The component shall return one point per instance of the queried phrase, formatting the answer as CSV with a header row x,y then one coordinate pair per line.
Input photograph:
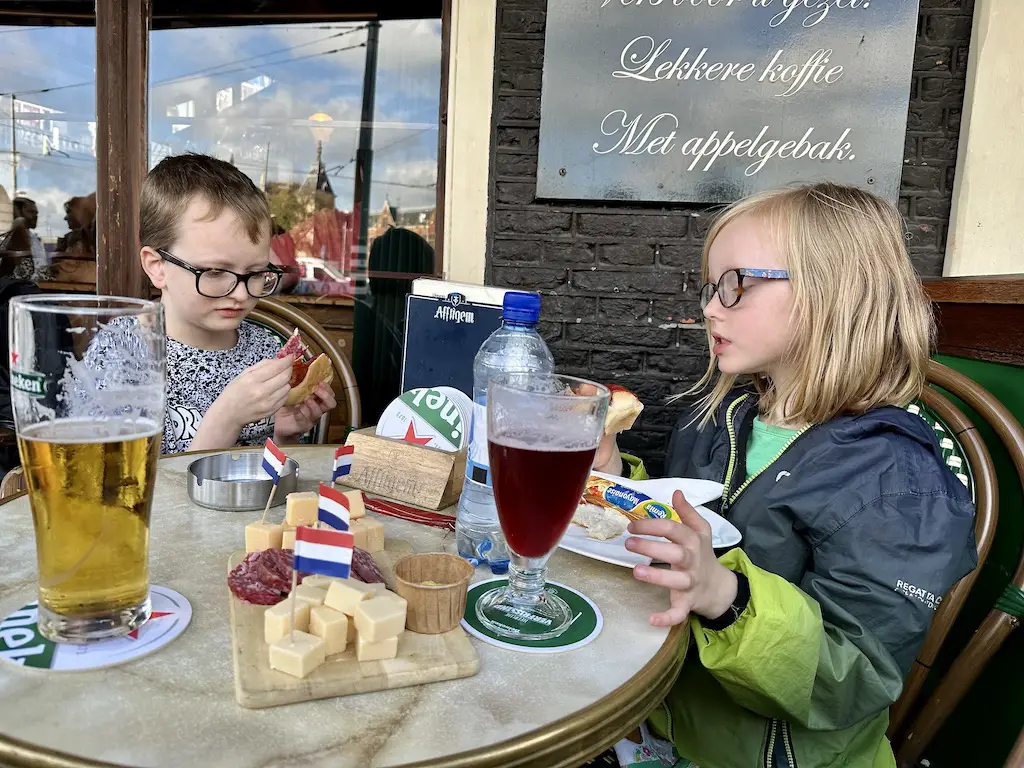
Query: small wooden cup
x,y
433,609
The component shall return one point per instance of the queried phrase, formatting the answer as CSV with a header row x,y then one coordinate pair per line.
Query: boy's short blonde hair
x,y
176,181
863,326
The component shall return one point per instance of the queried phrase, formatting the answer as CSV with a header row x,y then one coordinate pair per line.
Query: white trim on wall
x,y
470,97
988,202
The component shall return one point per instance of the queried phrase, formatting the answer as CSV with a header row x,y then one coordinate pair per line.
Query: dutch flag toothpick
x,y
318,550
342,462
273,461
333,508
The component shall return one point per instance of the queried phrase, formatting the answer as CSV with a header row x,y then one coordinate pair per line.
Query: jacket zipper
x,y
769,746
728,499
727,480
787,741
753,477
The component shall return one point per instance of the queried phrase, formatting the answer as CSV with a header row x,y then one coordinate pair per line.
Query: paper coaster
x,y
21,643
586,624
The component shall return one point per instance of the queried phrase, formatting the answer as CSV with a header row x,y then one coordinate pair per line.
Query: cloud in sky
x,y
406,109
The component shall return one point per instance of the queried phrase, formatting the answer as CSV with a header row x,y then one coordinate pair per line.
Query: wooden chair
x,y
911,742
13,483
281,319
1016,758
966,454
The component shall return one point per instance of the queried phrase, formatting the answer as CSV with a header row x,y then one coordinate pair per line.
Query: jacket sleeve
x,y
834,650
633,468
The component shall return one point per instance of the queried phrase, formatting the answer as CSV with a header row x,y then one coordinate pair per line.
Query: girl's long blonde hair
x,y
863,327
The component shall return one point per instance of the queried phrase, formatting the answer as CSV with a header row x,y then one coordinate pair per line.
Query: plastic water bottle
x,y
514,347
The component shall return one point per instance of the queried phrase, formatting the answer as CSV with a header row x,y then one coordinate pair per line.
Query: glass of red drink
x,y
543,431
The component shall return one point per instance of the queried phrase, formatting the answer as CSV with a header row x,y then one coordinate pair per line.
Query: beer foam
x,y
535,441
81,431
121,376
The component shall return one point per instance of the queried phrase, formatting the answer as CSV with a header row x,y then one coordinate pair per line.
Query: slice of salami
x,y
365,567
269,577
263,578
252,591
293,346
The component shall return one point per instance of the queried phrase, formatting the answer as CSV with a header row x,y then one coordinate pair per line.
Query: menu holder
x,y
425,477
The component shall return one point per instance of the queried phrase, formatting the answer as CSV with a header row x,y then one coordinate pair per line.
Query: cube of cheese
x,y
356,505
317,580
277,619
288,537
307,593
368,533
380,619
297,654
331,626
301,508
345,594
263,535
387,594
369,651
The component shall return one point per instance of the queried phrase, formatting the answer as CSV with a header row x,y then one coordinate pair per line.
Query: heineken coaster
x,y
585,626
21,643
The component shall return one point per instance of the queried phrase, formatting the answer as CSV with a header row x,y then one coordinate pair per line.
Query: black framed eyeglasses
x,y
217,283
730,285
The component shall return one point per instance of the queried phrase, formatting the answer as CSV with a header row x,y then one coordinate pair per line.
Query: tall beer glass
x,y
88,388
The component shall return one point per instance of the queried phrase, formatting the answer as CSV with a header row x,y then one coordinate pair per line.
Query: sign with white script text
x,y
712,100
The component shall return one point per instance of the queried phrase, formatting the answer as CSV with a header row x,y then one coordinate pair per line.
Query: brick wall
x,y
620,281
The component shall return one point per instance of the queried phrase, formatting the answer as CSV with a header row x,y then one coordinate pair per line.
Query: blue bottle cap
x,y
521,307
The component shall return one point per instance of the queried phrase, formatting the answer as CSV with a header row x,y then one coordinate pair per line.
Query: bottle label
x,y
478,463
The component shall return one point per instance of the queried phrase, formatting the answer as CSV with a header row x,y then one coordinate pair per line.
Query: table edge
x,y
564,742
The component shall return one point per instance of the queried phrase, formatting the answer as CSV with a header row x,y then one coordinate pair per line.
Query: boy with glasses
x,y
205,236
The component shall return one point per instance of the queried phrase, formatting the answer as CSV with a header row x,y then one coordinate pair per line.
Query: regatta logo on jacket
x,y
917,593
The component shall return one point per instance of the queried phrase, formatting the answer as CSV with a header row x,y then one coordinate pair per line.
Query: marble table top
x,y
177,706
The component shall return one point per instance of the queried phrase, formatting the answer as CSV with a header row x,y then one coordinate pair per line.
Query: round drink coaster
x,y
21,643
584,627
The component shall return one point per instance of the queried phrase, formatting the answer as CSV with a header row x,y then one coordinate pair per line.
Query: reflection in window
x,y
48,152
284,103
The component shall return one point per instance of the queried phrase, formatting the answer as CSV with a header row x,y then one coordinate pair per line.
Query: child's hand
x,y
697,582
256,392
299,419
608,459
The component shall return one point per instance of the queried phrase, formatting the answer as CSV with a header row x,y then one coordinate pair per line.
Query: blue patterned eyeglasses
x,y
730,285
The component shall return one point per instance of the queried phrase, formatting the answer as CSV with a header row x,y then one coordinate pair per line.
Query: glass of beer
x,y
543,431
88,380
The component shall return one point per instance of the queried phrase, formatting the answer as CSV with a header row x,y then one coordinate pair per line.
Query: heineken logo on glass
x,y
32,384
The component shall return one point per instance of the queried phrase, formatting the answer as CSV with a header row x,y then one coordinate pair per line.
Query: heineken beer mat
x,y
21,643
585,626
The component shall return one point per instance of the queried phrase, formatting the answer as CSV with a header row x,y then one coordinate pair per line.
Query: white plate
x,y
723,534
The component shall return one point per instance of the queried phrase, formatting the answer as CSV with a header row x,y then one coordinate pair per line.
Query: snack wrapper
x,y
630,502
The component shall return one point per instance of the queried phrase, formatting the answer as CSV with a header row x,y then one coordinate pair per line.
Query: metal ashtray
x,y
237,482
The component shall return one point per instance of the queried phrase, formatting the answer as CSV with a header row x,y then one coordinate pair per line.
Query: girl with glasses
x,y
853,528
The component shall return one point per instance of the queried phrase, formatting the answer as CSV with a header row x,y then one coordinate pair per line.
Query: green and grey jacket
x,y
850,538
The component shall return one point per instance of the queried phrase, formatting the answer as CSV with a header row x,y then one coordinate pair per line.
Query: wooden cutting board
x,y
421,658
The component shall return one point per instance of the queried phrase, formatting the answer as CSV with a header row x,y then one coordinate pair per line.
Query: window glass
x,y
284,103
48,153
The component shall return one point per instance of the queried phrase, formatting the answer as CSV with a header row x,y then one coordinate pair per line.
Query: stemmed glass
x,y
543,431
